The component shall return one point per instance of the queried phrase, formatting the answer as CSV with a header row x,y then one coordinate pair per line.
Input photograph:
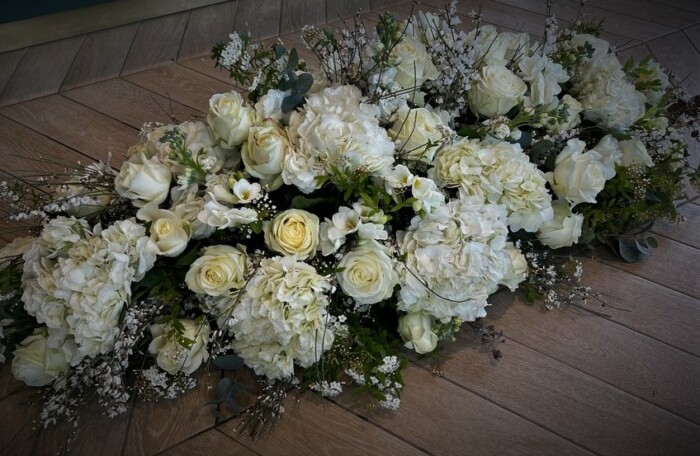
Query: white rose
x,y
412,132
635,153
143,180
169,231
37,364
367,274
416,330
229,118
563,230
518,267
293,232
496,92
578,177
220,269
415,65
172,356
264,154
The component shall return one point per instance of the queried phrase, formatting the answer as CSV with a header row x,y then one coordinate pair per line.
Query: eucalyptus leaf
x,y
540,149
526,139
304,83
652,242
468,132
303,202
629,250
293,61
228,362
223,389
643,247
291,101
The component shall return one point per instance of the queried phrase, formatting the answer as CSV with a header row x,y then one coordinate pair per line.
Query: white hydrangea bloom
x,y
282,318
455,258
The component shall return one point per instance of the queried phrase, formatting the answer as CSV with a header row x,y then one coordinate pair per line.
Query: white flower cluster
x,y
282,318
455,258
77,282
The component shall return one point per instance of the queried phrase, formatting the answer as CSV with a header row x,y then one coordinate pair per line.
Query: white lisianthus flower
x,y
563,230
610,155
367,274
634,152
418,134
578,177
143,180
416,330
269,106
246,192
220,269
217,215
415,66
496,92
264,154
281,318
169,232
293,232
171,355
543,77
230,118
36,363
518,267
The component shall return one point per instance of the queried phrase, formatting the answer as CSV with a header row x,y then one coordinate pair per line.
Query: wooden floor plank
x,y
562,399
688,231
130,103
693,34
181,84
315,427
156,426
623,358
17,436
73,125
664,265
676,52
644,306
660,14
205,65
459,420
209,442
682,4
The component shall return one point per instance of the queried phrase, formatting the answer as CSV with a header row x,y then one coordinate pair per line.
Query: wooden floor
x,y
570,381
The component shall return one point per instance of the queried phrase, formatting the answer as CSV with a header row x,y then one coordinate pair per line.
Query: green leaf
x,y
526,139
304,83
291,101
468,132
303,202
629,250
279,51
228,362
652,242
541,149
293,61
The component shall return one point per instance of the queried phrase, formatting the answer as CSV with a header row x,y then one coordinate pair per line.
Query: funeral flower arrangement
x,y
342,210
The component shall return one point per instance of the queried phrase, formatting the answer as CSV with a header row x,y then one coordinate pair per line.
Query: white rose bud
x,y
172,356
563,230
143,180
293,232
367,274
578,177
418,134
416,330
220,269
169,231
264,154
229,118
496,92
37,364
415,64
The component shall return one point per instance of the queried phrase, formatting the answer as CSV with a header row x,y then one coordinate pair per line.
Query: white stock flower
x,y
367,274
293,232
563,230
220,269
230,118
578,177
427,195
36,363
496,91
171,355
416,330
169,231
217,215
143,180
